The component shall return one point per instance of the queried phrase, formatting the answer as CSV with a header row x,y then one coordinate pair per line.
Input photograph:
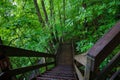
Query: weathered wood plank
x,y
115,75
79,74
81,58
105,45
6,75
88,74
109,67
18,52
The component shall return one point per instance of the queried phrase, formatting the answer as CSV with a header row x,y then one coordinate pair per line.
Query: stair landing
x,y
66,55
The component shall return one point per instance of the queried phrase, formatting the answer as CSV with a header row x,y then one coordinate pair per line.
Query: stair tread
x,y
57,77
59,74
46,78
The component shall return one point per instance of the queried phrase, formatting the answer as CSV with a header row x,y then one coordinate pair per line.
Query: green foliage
x,y
84,45
107,60
85,22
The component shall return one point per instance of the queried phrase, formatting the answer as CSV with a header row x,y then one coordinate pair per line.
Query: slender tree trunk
x,y
60,18
85,19
51,8
39,13
52,16
45,12
63,20
52,12
64,12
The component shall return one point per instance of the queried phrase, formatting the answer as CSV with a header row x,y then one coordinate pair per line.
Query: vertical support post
x,y
0,41
89,68
4,62
55,61
45,63
0,54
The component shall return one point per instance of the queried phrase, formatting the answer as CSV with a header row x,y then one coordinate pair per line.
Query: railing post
x,y
4,62
46,65
0,53
90,69
0,41
87,69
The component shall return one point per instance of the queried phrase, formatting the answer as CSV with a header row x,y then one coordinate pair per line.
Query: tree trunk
x,y
60,18
39,13
52,16
64,12
51,8
45,12
52,12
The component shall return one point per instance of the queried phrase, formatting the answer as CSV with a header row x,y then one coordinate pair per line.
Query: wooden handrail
x,y
98,53
18,52
105,45
8,74
109,67
115,75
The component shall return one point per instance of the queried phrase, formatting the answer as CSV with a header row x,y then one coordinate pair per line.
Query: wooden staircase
x,y
60,72
67,66
64,69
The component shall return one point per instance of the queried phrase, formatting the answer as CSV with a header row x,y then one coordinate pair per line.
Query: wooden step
x,y
43,78
60,72
58,77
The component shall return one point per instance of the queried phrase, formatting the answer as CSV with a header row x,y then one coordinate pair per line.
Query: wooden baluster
x,y
46,65
4,61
